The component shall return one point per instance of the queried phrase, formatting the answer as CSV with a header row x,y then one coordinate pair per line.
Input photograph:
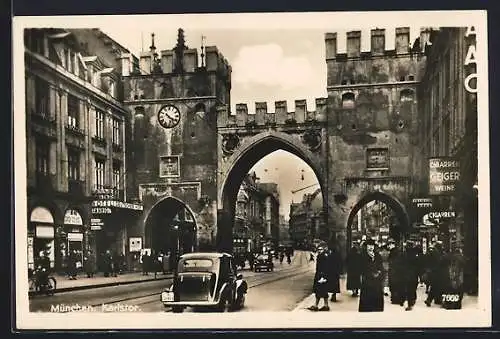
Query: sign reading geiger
x,y
444,173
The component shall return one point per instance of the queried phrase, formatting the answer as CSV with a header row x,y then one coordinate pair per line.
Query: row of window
x,y
42,102
401,78
36,42
74,162
349,99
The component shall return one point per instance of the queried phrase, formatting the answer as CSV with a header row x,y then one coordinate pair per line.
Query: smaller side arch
x,y
397,206
155,223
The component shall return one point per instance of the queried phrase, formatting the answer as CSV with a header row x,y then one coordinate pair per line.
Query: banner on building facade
x,y
117,204
444,174
170,166
420,207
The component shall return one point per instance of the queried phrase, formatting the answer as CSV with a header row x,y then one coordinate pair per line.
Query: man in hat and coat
x,y
354,270
334,271
320,284
372,280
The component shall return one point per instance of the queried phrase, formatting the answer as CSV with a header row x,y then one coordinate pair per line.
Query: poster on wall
x,y
170,166
135,244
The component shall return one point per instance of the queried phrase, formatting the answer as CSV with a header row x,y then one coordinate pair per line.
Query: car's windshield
x,y
263,257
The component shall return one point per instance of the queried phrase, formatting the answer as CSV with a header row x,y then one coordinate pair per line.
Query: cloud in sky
x,y
267,65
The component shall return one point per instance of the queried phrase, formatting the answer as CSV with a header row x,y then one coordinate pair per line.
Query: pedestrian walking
x,y
410,276
453,289
354,270
116,263
320,284
395,273
89,264
437,276
372,276
145,263
72,265
107,263
334,271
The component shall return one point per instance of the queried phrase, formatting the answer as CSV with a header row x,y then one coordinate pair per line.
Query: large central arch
x,y
238,164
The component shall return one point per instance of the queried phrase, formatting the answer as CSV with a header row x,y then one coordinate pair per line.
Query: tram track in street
x,y
258,280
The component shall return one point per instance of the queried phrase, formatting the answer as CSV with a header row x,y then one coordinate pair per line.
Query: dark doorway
x,y
171,227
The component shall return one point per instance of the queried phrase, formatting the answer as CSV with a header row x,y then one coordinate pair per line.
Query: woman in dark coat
x,y
89,264
354,271
396,275
372,280
334,270
320,284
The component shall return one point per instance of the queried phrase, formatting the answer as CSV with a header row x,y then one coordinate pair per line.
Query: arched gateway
x,y
186,144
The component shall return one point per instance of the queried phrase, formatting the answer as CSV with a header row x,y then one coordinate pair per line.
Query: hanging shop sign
x,y
470,62
104,194
101,210
170,166
46,232
75,236
116,204
442,215
444,174
135,244
96,221
424,203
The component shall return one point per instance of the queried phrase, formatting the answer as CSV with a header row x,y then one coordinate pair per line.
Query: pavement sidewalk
x,y
350,304
64,284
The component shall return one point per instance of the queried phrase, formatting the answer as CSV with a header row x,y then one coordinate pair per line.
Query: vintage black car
x,y
263,262
205,280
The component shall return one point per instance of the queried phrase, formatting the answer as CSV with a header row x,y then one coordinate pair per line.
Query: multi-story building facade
x,y
257,211
448,128
271,207
75,132
307,221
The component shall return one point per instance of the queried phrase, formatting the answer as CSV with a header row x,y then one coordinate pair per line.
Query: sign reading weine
x,y
444,174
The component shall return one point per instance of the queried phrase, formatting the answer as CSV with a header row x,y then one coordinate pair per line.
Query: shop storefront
x,y
110,223
72,237
40,236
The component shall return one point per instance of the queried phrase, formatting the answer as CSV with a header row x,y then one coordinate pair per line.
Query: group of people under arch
x,y
393,271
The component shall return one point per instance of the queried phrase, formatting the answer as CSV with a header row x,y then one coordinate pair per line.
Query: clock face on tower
x,y
169,116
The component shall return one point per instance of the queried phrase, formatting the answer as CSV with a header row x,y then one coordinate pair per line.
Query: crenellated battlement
x,y
179,59
264,117
373,42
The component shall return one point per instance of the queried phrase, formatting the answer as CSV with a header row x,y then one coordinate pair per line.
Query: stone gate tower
x,y
172,98
372,122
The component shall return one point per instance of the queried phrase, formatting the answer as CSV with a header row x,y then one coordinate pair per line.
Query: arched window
x,y
406,95
348,100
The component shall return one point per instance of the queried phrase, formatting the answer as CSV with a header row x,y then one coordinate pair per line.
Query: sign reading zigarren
x,y
444,174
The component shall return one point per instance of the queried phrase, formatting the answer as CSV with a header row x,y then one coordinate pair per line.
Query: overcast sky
x,y
267,65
